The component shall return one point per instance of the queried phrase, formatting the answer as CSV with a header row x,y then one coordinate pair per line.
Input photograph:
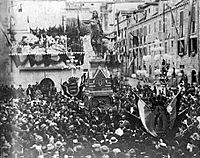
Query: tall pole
x,y
198,42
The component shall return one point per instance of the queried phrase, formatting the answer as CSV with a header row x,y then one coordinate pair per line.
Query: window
x,y
192,46
172,20
20,9
157,9
149,10
193,20
149,29
145,33
166,47
145,14
172,43
181,23
154,26
149,50
181,18
181,48
160,25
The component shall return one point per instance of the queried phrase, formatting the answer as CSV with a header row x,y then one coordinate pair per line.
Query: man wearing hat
x,y
29,92
104,150
96,150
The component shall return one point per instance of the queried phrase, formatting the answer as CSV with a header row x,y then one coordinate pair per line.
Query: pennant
x,y
173,108
16,60
147,117
38,57
55,57
31,59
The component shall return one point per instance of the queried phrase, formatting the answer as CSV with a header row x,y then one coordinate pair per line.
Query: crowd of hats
x,y
64,127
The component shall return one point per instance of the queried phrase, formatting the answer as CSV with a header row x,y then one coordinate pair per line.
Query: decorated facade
x,y
165,30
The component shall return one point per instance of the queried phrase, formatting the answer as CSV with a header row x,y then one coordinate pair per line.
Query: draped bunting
x,y
46,59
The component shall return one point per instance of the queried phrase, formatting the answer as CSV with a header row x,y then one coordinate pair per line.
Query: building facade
x,y
4,44
165,31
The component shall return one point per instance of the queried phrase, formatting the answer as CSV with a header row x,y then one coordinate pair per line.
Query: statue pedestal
x,y
95,63
98,91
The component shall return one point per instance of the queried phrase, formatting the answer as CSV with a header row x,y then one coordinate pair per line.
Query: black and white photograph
x,y
99,79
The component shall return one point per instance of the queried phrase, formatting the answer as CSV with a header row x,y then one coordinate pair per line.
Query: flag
x,y
189,25
174,24
5,34
78,25
147,117
173,108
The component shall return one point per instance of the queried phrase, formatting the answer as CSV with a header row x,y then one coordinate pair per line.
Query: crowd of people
x,y
35,91
36,126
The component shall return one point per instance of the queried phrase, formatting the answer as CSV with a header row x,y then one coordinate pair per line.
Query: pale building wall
x,y
4,50
31,77
190,63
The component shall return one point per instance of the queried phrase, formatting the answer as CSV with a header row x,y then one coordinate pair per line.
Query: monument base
x,y
98,89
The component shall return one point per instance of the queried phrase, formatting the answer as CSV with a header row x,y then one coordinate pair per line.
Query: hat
x,y
96,147
116,150
104,149
78,148
113,140
131,151
70,151
58,144
119,132
39,138
50,147
75,141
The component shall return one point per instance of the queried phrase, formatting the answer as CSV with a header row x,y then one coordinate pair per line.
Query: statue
x,y
96,34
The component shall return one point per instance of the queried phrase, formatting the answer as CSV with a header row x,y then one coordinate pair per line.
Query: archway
x,y
46,85
193,76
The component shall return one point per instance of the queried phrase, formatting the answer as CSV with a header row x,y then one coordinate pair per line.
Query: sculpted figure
x,y
96,34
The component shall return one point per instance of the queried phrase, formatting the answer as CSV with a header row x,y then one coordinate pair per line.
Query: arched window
x,y
193,76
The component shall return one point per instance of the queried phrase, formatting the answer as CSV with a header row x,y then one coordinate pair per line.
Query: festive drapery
x,y
46,59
